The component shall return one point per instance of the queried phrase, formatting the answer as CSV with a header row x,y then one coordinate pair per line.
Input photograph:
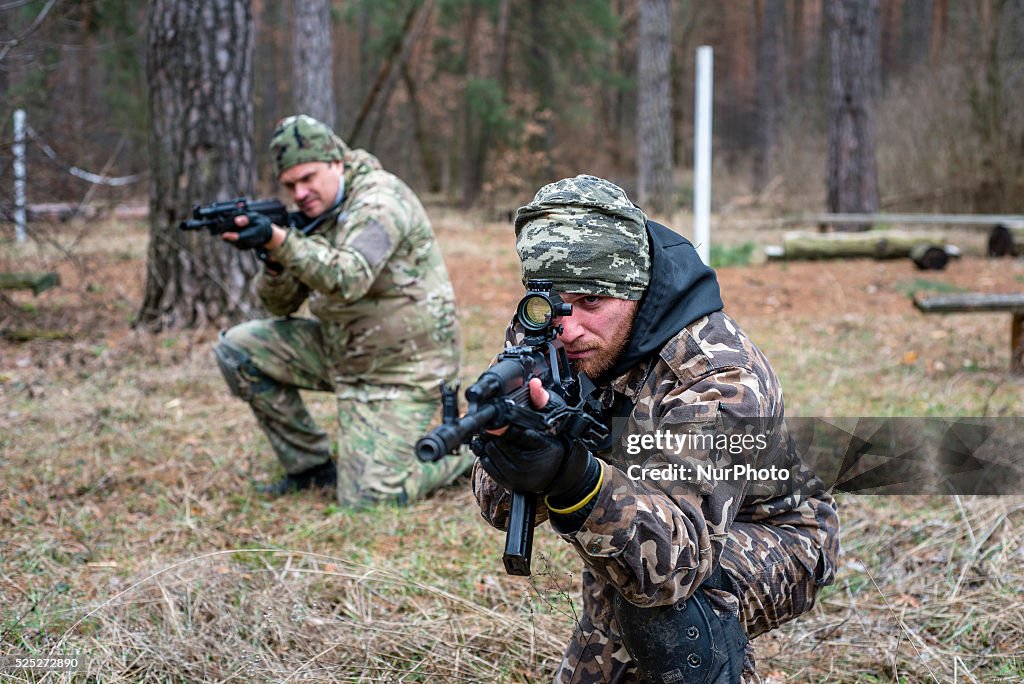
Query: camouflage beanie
x,y
585,236
300,139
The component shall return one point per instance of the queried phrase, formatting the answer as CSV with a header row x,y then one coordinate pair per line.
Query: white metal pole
x,y
702,154
19,174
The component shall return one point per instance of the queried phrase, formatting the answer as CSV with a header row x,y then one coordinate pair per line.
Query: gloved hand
x,y
528,461
256,234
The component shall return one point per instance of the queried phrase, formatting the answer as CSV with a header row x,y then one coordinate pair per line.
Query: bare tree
x,y
312,61
379,95
771,87
199,67
853,50
654,112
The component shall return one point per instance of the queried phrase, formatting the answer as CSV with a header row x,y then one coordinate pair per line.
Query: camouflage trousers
x,y
775,579
266,362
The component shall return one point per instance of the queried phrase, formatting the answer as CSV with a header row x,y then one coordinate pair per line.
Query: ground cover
x,y
129,533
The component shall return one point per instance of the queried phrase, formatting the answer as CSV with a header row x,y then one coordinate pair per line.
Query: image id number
x,y
40,663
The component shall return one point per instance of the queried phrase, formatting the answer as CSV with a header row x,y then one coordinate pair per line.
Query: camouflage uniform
x,y
385,334
655,542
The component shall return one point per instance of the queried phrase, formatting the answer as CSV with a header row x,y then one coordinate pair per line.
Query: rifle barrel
x,y
445,439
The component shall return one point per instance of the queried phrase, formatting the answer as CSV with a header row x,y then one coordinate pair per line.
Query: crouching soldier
x,y
383,332
683,570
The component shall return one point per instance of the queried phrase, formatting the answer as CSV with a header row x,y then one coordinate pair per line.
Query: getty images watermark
x,y
666,442
768,456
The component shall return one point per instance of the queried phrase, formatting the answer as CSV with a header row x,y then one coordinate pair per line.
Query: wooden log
x,y
929,257
28,334
875,244
977,302
964,220
61,211
1006,239
37,282
971,302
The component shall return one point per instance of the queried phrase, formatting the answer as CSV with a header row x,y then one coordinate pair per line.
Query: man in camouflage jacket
x,y
383,331
682,571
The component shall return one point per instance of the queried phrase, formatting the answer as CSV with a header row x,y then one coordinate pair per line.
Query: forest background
x,y
130,532
490,98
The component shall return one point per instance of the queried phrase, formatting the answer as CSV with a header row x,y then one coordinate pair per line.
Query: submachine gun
x,y
501,397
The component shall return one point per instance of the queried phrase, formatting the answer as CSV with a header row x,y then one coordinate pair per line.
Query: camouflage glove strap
x,y
528,461
256,234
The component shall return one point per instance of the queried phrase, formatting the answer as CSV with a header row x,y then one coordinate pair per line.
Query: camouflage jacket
x,y
656,541
376,280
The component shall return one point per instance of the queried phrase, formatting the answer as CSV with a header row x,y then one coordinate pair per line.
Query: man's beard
x,y
597,364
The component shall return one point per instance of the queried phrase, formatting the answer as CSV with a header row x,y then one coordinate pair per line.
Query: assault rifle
x,y
501,397
219,217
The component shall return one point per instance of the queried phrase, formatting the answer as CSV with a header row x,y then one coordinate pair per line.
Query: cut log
x,y
874,244
971,302
29,334
37,282
1006,239
929,257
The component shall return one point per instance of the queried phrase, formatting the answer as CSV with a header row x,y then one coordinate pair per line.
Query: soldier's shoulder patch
x,y
372,241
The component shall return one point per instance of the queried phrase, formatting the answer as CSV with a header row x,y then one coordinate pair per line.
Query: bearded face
x,y
597,331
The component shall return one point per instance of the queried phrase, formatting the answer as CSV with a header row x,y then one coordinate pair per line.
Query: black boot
x,y
320,476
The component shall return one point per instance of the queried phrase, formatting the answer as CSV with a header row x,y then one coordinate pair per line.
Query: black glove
x,y
256,234
528,461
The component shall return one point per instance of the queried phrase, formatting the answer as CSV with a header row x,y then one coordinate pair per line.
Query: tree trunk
x,y
382,84
272,88
891,36
654,110
916,34
419,132
853,51
691,16
541,74
469,59
940,22
771,87
6,106
808,38
407,43
199,67
613,97
312,66
480,129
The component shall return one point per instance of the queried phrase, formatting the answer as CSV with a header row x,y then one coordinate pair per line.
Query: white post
x,y
702,155
19,174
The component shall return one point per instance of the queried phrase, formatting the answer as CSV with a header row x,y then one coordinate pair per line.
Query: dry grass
x,y
130,533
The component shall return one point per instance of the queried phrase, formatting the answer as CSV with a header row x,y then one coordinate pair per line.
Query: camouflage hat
x,y
585,236
300,139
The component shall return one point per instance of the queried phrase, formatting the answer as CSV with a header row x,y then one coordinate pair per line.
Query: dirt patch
x,y
90,313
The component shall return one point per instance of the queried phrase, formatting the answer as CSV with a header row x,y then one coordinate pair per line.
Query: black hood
x,y
682,290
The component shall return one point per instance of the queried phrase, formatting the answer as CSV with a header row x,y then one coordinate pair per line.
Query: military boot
x,y
319,476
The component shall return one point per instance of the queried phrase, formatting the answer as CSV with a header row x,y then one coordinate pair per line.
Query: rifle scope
x,y
540,307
